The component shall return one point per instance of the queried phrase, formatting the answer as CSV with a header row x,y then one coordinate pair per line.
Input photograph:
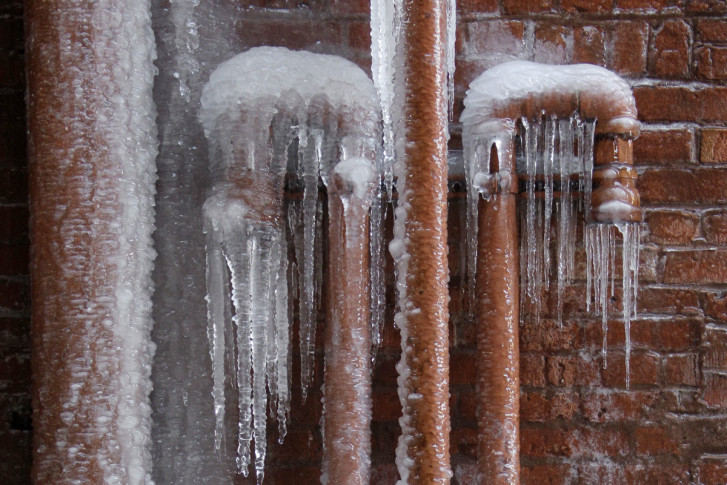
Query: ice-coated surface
x,y
510,82
92,416
260,108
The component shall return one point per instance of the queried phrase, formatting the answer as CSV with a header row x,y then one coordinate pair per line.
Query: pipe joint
x,y
615,197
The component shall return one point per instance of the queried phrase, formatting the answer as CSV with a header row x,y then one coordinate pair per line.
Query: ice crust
x,y
555,150
258,109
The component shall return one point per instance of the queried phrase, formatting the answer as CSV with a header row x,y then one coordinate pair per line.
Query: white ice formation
x,y
266,112
557,156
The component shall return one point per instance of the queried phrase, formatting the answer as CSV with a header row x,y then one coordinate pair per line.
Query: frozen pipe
x,y
419,248
495,100
497,307
92,147
253,108
347,409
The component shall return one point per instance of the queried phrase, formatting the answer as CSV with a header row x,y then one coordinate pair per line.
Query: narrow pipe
x,y
420,249
498,372
91,156
347,410
496,99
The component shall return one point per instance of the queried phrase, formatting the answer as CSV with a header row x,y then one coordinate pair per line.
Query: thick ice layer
x,y
514,82
259,109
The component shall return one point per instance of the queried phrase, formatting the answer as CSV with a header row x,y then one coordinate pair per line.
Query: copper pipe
x,y
347,410
498,372
615,197
420,230
91,259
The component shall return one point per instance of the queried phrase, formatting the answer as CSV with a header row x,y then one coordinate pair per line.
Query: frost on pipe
x,y
419,247
92,150
258,109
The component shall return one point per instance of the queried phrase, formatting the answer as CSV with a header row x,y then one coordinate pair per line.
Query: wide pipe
x,y
498,372
92,147
347,410
420,230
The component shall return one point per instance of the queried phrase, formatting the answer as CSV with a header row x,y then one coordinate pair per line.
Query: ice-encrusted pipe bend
x,y
495,103
259,109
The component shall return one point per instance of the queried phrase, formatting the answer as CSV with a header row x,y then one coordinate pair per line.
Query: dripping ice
x,y
268,112
551,153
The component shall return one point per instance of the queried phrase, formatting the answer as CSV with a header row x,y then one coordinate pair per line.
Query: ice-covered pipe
x,y
92,147
256,109
494,102
497,308
419,247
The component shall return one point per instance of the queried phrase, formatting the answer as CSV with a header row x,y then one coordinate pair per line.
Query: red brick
x,y
466,368
672,227
468,403
13,185
713,148
544,442
14,295
610,406
669,54
715,390
700,266
550,474
532,369
715,226
711,7
629,40
716,307
701,186
654,441
652,5
386,405
359,36
551,43
604,472
515,7
464,472
540,407
15,373
681,370
548,335
586,6
600,442
658,473
589,45
711,62
712,30
477,6
664,146
706,104
712,471
14,259
676,334
464,441
668,300
644,369
565,371
715,351
350,7
316,36
497,39
13,223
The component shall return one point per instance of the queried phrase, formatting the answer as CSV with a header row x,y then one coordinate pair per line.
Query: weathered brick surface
x,y
713,148
703,186
711,62
672,147
712,30
669,54
672,227
699,104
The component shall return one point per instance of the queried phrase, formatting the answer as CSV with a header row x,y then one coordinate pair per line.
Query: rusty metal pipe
x,y
420,249
347,410
498,373
91,157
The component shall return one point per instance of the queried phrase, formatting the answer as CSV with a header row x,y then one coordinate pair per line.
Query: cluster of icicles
x,y
555,157
315,116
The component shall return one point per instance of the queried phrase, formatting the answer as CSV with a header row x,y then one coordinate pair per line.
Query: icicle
x,y
308,163
451,41
385,25
565,155
377,285
548,166
282,344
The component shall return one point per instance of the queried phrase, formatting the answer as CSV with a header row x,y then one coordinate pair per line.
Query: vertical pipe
x,y
420,249
615,197
498,371
347,410
91,155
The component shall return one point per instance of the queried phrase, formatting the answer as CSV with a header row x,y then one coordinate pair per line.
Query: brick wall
x,y
579,422
14,291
